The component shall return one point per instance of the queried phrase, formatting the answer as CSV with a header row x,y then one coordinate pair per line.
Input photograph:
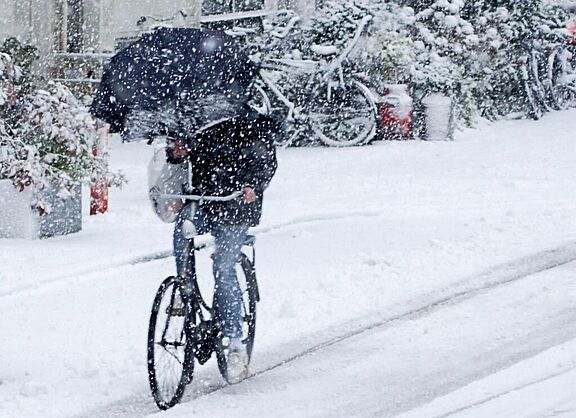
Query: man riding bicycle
x,y
235,153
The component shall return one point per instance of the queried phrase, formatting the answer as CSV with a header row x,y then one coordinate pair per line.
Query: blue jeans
x,y
229,240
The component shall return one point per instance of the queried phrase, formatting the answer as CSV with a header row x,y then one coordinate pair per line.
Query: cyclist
x,y
236,153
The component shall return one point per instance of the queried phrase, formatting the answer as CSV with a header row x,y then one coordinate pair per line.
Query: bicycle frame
x,y
192,296
331,75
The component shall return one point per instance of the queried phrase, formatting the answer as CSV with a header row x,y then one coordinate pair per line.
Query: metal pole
x,y
30,20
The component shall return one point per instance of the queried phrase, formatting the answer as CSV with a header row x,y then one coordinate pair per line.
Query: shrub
x,y
46,139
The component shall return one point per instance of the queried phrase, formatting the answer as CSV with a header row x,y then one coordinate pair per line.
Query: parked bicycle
x,y
335,105
547,79
185,328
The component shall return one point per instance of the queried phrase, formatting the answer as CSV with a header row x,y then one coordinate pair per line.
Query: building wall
x,y
119,16
27,19
8,25
44,24
38,21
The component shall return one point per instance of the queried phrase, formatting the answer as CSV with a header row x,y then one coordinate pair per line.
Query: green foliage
x,y
24,56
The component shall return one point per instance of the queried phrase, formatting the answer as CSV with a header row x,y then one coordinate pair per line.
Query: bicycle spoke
x,y
168,311
172,354
348,118
167,342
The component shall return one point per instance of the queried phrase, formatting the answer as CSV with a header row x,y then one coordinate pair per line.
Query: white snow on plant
x,y
325,50
51,144
403,105
451,21
403,46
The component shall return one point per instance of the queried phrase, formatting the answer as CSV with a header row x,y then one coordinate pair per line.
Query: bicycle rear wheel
x,y
170,358
343,116
247,281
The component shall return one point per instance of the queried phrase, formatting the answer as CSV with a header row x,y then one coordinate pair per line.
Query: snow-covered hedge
x,y
469,50
46,139
475,52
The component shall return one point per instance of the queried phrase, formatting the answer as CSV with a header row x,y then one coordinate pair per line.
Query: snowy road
x,y
413,360
405,272
376,365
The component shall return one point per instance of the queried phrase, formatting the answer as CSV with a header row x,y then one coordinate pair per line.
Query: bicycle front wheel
x,y
343,116
170,357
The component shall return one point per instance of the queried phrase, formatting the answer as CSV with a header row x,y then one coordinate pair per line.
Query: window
x,y
244,13
214,7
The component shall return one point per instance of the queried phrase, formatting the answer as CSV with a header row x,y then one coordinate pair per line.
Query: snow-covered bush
x,y
512,34
474,51
46,139
389,52
492,69
53,145
9,74
444,43
335,22
471,51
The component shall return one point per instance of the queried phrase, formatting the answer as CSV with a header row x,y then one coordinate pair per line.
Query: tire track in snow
x,y
260,230
160,255
500,275
501,394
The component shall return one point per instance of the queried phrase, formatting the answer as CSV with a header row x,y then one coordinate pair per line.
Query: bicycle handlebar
x,y
143,19
200,198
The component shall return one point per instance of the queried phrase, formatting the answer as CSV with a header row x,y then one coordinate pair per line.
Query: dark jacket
x,y
230,156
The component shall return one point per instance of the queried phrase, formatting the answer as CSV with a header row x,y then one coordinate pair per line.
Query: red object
x,y
98,198
392,123
99,189
572,30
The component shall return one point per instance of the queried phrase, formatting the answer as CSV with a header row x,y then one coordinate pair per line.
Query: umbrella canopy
x,y
178,78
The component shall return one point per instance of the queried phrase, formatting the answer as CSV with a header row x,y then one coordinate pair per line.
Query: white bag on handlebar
x,y
165,178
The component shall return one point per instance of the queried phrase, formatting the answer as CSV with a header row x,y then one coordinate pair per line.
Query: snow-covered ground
x,y
384,264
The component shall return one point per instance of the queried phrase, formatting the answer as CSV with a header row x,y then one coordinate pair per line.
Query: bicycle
x,y
183,327
547,79
337,107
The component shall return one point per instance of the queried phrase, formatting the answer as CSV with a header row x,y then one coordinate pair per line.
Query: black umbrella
x,y
176,79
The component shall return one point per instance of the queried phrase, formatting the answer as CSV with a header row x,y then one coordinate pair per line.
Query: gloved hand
x,y
176,151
